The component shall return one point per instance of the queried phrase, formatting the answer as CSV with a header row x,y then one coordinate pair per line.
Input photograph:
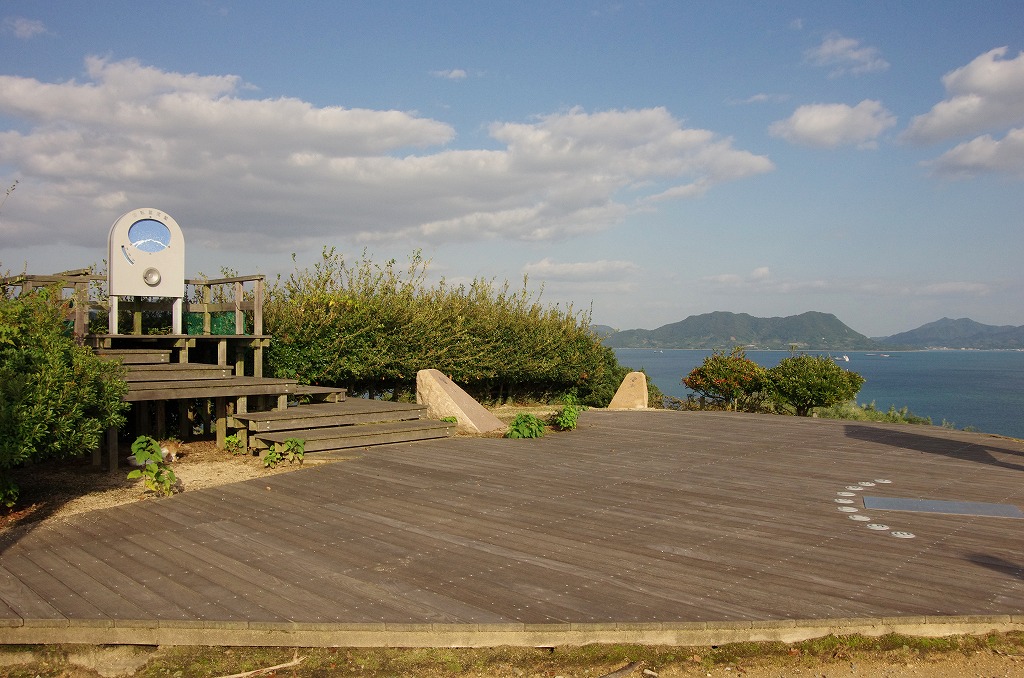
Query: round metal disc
x,y
843,501
877,526
847,494
903,535
846,509
855,488
882,481
859,518
866,483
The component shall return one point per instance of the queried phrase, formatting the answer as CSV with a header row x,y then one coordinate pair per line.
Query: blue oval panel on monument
x,y
149,235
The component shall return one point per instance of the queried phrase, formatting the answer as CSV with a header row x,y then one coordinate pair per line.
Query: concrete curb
x,y
297,634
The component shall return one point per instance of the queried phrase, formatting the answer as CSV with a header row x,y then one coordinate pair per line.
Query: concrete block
x,y
632,393
444,398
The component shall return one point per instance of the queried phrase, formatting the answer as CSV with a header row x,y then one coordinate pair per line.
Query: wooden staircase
x,y
354,422
323,417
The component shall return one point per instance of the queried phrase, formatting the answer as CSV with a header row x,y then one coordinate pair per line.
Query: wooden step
x,y
178,372
362,435
320,415
322,394
209,388
136,356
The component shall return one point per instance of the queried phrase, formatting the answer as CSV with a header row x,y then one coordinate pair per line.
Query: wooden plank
x,y
208,388
326,414
177,372
22,600
636,516
318,439
129,356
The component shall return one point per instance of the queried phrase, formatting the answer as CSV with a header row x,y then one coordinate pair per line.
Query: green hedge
x,y
56,397
370,327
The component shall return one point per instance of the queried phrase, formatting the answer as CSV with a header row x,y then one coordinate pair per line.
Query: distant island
x,y
808,331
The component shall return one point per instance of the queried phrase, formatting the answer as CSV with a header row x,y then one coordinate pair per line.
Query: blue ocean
x,y
980,389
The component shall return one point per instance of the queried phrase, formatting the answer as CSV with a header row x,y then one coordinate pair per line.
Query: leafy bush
x,y
370,328
525,425
804,382
293,449
56,398
567,418
233,444
852,411
731,380
154,470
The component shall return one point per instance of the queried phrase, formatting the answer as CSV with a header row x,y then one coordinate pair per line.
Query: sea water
x,y
979,389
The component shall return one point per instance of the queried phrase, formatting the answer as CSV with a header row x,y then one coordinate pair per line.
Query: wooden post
x,y
239,313
112,450
206,309
81,311
222,416
161,420
184,420
257,311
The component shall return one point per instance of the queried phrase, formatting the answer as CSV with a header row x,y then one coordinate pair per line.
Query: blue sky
x,y
649,160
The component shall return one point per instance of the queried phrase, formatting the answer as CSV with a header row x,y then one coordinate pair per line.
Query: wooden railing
x,y
79,283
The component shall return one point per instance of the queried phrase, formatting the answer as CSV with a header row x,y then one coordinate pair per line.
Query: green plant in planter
x,y
154,471
525,425
293,449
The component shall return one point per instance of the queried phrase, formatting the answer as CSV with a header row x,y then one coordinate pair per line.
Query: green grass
x,y
854,412
171,662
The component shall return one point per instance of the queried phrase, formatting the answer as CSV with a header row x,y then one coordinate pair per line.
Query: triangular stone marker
x,y
632,393
444,398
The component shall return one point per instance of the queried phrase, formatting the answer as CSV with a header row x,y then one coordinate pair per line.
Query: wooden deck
x,y
643,523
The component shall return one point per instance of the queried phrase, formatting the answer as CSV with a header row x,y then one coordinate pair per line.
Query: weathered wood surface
x,y
635,517
232,387
350,411
348,436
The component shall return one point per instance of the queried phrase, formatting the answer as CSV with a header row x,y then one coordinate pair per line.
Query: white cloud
x,y
983,155
452,74
604,269
952,288
985,94
762,282
834,125
24,29
846,55
281,173
759,277
760,98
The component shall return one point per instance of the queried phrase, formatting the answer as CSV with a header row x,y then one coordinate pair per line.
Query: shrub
x,y
293,449
804,382
371,327
155,472
525,425
729,380
567,418
56,398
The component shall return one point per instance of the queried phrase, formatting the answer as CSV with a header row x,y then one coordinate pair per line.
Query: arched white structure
x,y
146,258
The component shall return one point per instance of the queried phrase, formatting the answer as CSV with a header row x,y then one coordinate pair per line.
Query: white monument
x,y
146,259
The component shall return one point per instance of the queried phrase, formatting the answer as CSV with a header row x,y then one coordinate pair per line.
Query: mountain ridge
x,y
812,330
